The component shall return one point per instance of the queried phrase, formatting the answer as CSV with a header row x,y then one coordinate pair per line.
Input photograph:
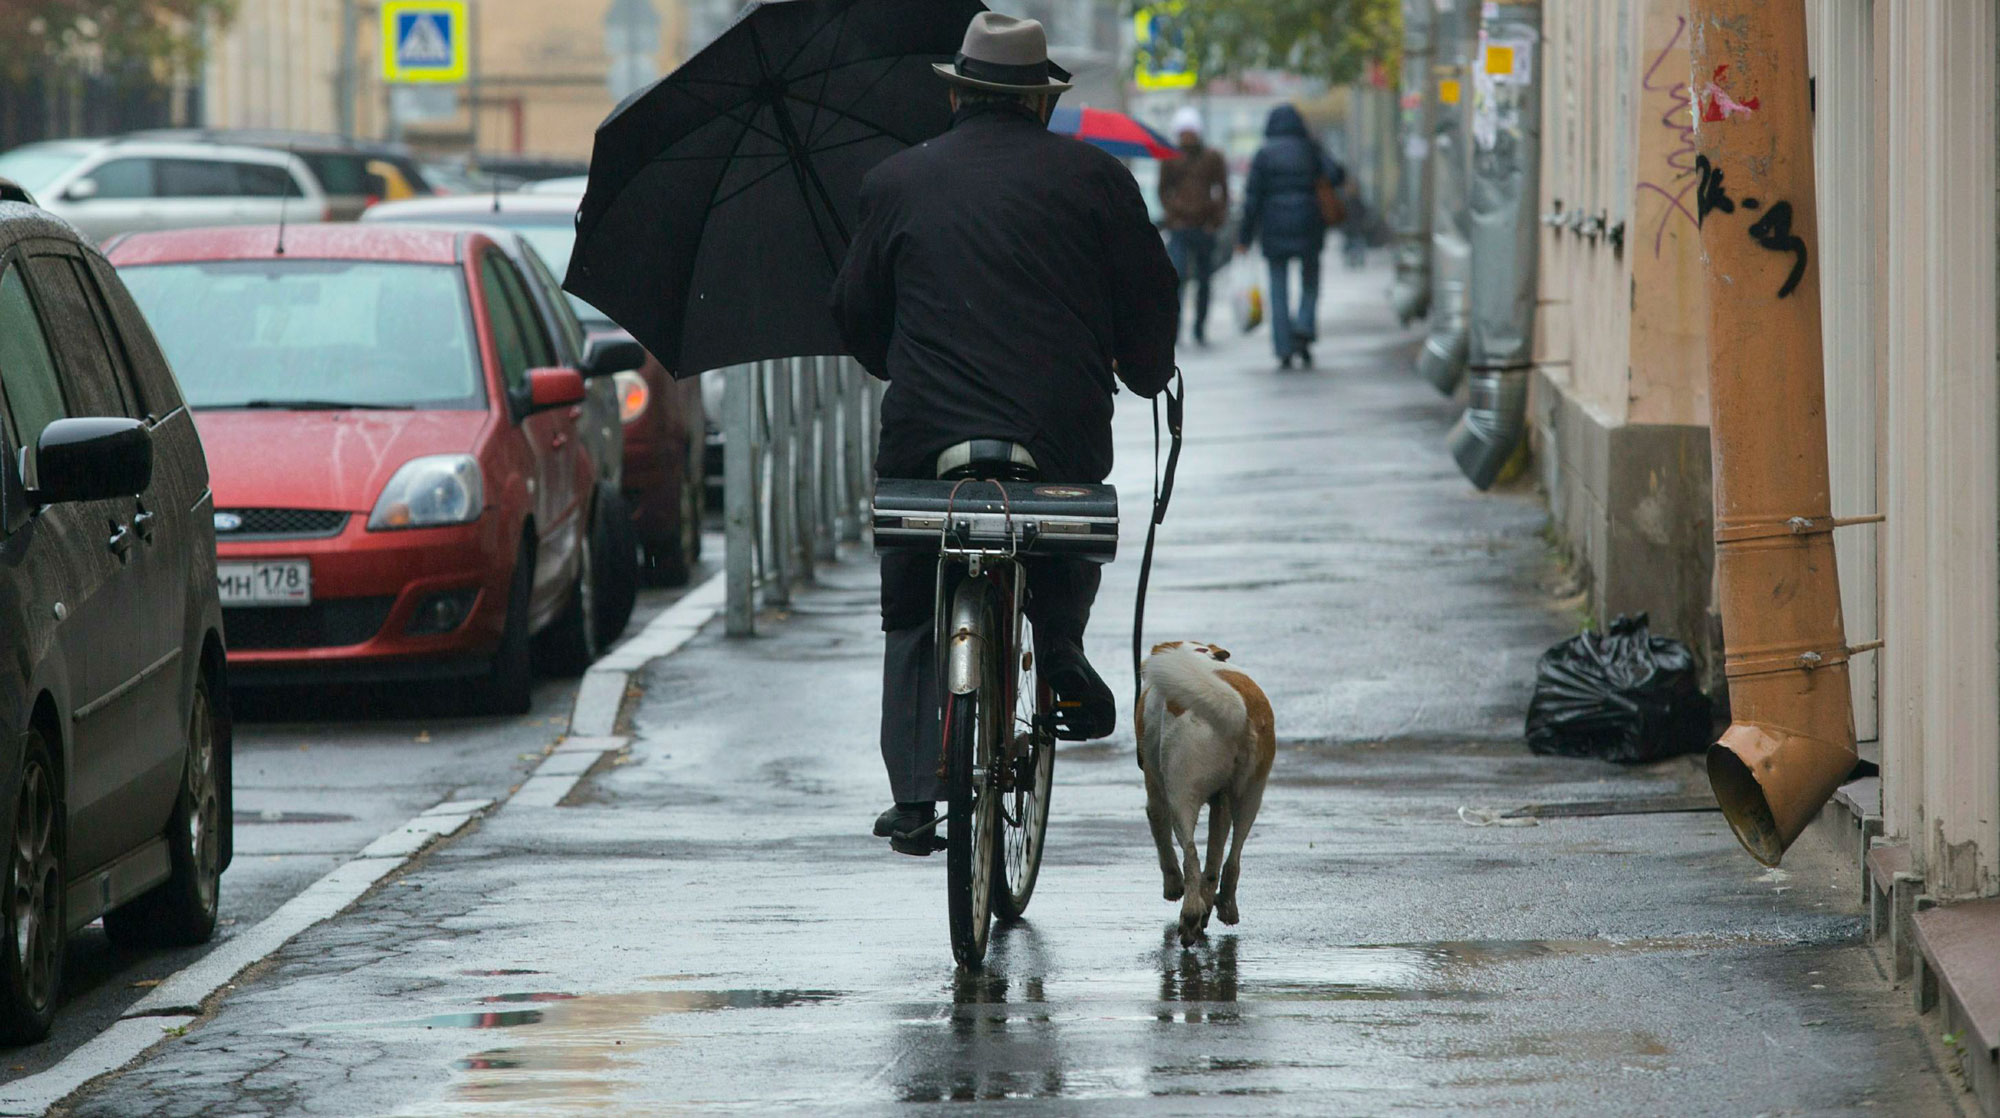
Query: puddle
x,y
1442,970
497,973
564,1006
571,1052
273,815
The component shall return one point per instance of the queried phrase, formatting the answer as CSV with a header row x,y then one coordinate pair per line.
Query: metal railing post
x,y
803,511
784,494
739,500
826,499
854,460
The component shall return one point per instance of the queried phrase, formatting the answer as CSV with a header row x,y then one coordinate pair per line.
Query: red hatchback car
x,y
400,491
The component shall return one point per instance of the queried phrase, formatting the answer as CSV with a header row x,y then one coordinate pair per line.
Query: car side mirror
x,y
92,459
554,388
613,352
82,190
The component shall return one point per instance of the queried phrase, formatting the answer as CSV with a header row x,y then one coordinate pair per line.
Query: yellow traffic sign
x,y
424,41
1159,56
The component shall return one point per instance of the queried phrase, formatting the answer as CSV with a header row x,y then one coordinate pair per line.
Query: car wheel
x,y
572,643
672,563
617,563
693,491
31,955
181,910
507,687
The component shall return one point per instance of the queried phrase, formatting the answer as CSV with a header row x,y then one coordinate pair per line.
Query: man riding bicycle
x,y
1002,278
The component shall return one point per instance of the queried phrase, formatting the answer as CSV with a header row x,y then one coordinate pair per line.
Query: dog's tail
x,y
1177,678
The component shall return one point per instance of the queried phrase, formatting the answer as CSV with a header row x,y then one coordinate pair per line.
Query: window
x,y
500,308
572,332
541,354
554,242
338,174
197,178
95,387
159,396
124,178
262,180
27,369
285,331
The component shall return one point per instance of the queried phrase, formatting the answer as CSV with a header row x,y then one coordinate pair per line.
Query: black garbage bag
x,y
1623,695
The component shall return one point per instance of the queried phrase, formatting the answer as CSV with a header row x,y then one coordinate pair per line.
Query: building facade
x,y
1904,134
543,75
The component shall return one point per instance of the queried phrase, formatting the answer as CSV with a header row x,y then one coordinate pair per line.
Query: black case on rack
x,y
1040,517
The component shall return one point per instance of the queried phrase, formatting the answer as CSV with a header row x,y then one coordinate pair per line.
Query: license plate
x,y
273,582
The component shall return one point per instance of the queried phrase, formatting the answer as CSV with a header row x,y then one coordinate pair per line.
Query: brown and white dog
x,y
1206,736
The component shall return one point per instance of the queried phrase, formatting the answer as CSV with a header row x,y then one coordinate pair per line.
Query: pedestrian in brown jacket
x,y
1194,191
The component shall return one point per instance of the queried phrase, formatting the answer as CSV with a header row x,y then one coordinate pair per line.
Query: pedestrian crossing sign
x,y
423,41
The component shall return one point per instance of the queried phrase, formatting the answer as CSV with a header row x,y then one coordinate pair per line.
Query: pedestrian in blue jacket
x,y
1281,211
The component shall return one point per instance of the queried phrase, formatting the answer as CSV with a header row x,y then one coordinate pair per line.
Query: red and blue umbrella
x,y
1114,132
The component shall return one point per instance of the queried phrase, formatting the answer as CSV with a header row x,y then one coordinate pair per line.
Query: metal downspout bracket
x,y
1792,742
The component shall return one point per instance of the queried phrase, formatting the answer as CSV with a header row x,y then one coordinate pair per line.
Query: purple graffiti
x,y
1678,119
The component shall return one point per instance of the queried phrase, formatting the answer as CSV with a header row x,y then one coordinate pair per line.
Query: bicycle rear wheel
x,y
970,732
1025,778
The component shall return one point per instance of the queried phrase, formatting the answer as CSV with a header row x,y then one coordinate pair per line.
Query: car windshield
x,y
292,333
38,165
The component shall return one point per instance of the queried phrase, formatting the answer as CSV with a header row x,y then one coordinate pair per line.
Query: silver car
x,y
108,187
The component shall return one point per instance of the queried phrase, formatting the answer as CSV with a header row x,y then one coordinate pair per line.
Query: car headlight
x,y
633,395
431,491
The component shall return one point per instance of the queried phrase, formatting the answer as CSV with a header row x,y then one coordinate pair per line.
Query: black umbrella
x,y
721,198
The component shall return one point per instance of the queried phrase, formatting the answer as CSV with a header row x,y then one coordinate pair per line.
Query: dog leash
x,y
1175,399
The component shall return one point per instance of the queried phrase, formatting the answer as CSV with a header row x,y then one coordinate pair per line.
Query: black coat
x,y
1280,203
997,273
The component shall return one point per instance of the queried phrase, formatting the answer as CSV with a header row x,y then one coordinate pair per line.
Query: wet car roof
x,y
399,243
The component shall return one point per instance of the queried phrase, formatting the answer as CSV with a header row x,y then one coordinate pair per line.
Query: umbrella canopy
x,y
1114,132
721,197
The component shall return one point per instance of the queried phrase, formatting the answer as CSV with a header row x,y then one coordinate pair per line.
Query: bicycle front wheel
x,y
969,846
1023,782
971,730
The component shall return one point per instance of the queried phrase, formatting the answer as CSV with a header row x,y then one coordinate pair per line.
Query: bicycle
x,y
997,715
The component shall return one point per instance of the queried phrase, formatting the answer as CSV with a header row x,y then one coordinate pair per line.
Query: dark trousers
x,y
1193,254
1292,328
1060,593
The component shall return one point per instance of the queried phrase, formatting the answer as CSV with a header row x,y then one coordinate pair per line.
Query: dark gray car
x,y
115,767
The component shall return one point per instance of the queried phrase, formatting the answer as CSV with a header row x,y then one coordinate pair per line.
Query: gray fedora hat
x,y
1004,54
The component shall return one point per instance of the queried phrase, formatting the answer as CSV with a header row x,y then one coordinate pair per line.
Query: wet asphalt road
x,y
706,926
319,774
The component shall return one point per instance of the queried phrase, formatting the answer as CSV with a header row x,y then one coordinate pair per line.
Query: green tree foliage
x,y
160,35
1330,39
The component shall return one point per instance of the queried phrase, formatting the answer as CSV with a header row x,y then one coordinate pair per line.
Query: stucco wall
x,y
1620,399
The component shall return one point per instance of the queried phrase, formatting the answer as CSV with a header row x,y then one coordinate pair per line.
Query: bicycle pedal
x,y
920,845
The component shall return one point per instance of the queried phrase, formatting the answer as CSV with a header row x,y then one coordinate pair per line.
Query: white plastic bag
x,y
1246,294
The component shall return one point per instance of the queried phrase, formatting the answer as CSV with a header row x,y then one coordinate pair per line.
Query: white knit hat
x,y
1188,119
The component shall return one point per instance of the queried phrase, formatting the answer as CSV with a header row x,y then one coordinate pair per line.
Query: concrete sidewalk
x,y
706,924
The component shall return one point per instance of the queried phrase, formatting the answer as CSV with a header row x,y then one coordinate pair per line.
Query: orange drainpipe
x,y
1792,742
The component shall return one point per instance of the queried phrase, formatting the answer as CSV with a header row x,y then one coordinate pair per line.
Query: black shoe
x,y
1085,709
910,828
1305,355
1285,362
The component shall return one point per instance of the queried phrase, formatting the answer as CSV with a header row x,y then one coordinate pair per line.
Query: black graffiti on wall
x,y
1708,192
1772,231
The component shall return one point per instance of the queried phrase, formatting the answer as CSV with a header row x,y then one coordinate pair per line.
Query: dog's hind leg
x,y
1218,841
1163,838
1248,800
1194,907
